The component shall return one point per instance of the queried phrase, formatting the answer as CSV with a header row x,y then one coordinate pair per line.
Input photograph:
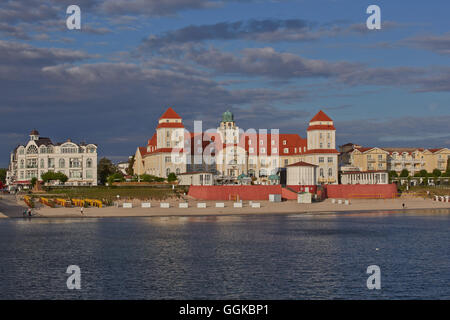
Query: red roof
x,y
302,164
170,114
321,116
321,127
170,125
321,151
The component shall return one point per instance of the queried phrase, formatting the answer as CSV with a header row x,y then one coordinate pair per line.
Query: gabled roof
x,y
321,116
302,164
170,114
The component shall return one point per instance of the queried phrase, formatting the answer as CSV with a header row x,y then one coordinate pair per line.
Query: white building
x,y
301,174
39,155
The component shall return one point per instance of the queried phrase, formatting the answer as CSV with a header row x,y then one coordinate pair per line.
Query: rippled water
x,y
228,257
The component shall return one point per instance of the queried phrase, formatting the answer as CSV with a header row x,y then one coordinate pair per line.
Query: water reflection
x,y
292,256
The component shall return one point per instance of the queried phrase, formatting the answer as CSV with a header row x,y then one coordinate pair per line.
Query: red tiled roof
x,y
170,125
321,127
302,164
142,150
321,116
170,114
321,151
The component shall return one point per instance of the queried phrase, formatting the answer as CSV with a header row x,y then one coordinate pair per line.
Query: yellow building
x,y
394,159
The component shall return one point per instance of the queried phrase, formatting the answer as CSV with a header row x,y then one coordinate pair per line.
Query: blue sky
x,y
273,63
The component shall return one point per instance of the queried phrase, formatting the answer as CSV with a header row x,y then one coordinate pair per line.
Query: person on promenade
x,y
81,210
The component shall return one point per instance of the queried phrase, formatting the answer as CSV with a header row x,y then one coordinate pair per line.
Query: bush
x,y
437,173
115,177
404,173
172,177
34,180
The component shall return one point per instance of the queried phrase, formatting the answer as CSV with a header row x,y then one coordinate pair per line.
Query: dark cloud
x,y
408,131
268,63
251,29
438,44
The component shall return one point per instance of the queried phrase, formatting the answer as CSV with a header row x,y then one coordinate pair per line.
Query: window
x,y
168,134
249,142
328,135
380,165
320,135
42,163
380,157
321,172
330,159
263,150
74,163
167,159
261,142
274,150
329,145
330,172
321,145
32,150
168,144
75,174
62,163
286,150
250,150
284,142
177,171
42,149
21,163
321,159
286,162
89,174
167,172
89,163
273,142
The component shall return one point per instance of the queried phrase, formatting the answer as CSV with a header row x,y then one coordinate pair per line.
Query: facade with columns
x,y
39,155
231,154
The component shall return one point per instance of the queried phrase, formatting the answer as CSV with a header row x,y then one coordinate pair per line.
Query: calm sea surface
x,y
230,257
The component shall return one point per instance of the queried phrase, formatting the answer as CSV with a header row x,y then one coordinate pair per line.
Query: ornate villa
x,y
39,155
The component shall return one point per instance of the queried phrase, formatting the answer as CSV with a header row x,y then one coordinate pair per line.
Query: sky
x,y
274,64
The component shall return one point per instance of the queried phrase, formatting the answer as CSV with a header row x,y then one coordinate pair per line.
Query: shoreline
x,y
9,208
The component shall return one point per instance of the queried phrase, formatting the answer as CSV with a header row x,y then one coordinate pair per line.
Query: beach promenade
x,y
9,207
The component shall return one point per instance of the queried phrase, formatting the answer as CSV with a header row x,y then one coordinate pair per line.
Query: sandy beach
x,y
9,207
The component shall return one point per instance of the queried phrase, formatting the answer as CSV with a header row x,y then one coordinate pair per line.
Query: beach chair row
x,y
442,198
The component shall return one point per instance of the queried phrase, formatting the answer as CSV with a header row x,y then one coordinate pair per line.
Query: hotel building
x,y
39,155
230,153
394,159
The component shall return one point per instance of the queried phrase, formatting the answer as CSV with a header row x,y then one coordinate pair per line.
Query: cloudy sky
x,y
274,64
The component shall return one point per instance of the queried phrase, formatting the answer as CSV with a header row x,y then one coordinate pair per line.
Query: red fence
x,y
256,192
362,191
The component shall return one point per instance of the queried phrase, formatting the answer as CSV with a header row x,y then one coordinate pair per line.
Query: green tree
x,y
437,173
423,173
448,165
53,176
105,169
2,175
148,177
172,177
130,170
34,180
404,173
115,177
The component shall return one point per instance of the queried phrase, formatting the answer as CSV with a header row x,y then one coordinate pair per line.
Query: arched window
x,y
89,163
167,172
32,150
321,172
178,171
330,172
42,149
62,163
21,164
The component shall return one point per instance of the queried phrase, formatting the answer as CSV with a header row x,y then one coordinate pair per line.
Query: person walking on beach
x,y
81,210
